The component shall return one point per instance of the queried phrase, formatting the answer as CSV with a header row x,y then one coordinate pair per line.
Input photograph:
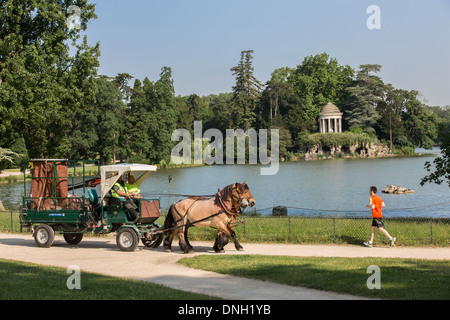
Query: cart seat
x,y
93,196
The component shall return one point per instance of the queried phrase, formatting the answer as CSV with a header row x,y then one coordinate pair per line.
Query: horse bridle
x,y
239,198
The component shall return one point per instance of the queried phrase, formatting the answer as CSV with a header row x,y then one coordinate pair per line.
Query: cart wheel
x,y
73,238
44,236
127,239
154,242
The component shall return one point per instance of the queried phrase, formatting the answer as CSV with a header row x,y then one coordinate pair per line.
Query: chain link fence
x,y
334,230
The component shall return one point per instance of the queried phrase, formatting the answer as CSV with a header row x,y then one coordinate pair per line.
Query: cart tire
x,y
73,238
44,236
154,242
127,239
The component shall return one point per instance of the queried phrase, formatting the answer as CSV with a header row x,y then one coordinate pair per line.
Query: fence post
x,y
289,218
431,229
334,229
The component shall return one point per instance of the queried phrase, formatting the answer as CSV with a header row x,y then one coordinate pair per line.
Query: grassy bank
x,y
26,281
401,279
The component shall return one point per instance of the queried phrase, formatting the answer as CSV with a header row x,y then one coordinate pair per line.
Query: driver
x,y
120,193
133,188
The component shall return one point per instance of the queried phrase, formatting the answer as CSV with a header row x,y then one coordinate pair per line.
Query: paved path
x,y
154,265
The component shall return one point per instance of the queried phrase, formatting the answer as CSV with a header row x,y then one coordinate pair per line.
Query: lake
x,y
325,187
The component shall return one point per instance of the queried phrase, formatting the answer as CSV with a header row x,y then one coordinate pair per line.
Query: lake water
x,y
327,187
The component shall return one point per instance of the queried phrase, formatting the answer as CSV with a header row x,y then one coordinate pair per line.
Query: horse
x,y
218,212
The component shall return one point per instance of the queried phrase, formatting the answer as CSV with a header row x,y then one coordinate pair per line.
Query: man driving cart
x,y
121,195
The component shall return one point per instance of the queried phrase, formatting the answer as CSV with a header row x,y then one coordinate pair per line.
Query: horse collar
x,y
224,205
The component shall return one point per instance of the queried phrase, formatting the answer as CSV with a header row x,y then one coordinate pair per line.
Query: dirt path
x,y
154,265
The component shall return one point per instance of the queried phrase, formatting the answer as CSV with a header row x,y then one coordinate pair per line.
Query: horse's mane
x,y
228,191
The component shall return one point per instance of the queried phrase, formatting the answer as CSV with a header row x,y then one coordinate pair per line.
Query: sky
x,y
201,40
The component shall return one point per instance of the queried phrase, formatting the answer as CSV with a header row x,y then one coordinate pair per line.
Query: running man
x,y
376,204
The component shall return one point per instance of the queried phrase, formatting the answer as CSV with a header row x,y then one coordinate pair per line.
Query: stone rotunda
x,y
330,119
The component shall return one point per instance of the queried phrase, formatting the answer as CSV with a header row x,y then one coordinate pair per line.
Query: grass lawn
x,y
401,279
26,281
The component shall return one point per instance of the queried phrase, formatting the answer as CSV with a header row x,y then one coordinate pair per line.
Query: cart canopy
x,y
110,174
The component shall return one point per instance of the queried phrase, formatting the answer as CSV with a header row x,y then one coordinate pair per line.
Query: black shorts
x,y
377,222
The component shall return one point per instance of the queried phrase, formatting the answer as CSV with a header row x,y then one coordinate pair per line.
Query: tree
x,y
154,115
277,93
246,92
7,155
441,171
367,92
420,124
42,85
390,125
318,80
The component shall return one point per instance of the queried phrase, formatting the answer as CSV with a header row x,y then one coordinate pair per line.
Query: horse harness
x,y
221,203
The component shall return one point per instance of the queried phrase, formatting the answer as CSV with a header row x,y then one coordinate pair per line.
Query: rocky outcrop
x,y
391,189
362,151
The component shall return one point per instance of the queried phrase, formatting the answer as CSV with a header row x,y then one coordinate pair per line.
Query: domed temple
x,y
330,119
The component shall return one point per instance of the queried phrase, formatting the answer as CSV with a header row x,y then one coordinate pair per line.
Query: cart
x,y
59,201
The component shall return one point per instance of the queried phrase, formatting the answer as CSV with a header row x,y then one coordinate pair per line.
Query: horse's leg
x,y
168,240
222,237
169,223
221,242
233,236
189,247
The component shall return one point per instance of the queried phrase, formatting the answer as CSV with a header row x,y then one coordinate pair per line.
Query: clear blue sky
x,y
202,39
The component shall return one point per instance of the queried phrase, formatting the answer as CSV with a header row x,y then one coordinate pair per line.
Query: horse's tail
x,y
169,222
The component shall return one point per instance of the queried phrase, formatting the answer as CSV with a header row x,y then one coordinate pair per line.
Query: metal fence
x,y
337,230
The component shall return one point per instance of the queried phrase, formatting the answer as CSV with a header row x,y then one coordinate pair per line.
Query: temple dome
x,y
330,109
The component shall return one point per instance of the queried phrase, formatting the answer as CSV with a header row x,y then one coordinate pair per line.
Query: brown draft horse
x,y
218,212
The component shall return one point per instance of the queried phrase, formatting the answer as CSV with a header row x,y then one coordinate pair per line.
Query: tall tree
x,y
420,124
365,95
155,114
390,126
43,85
246,92
98,132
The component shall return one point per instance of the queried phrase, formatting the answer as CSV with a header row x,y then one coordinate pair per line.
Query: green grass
x,y
26,281
402,279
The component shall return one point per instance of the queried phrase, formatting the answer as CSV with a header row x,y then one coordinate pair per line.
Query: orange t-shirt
x,y
376,201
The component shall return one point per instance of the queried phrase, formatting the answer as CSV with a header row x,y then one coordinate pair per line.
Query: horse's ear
x,y
245,183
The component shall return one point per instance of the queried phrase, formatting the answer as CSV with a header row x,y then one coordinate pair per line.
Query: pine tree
x,y
246,92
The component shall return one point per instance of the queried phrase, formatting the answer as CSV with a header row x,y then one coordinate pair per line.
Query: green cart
x,y
63,198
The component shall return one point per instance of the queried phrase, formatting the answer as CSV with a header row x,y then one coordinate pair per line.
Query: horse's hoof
x,y
168,250
189,251
240,249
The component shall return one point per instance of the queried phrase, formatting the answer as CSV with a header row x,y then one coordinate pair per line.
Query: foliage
x,y
53,104
245,92
43,86
441,168
307,141
365,95
7,155
319,80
